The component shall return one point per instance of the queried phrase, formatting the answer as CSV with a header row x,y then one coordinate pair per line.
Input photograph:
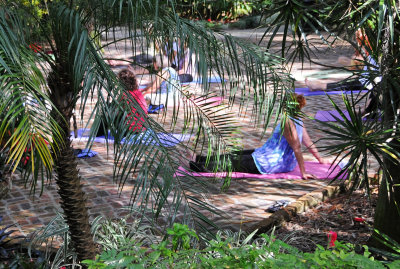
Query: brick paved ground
x,y
245,201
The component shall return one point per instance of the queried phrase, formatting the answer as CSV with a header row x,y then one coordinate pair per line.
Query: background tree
x,y
339,20
40,92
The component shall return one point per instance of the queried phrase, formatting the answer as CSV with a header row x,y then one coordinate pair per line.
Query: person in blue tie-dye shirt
x,y
281,153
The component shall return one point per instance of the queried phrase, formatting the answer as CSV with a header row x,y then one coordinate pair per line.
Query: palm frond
x,y
356,140
24,106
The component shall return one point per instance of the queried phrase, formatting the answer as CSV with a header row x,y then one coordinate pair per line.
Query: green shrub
x,y
219,10
231,251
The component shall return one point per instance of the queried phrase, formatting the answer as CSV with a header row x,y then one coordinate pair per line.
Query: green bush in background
x,y
219,10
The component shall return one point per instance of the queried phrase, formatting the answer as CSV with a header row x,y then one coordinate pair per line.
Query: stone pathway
x,y
245,201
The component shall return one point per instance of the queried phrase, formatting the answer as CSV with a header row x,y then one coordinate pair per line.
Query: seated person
x,y
278,155
166,88
367,63
129,81
181,60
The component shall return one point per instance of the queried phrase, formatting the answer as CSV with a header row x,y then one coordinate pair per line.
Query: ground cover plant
x,y
133,246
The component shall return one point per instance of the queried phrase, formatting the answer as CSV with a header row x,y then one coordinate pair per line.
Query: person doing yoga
x,y
135,119
280,154
166,88
366,81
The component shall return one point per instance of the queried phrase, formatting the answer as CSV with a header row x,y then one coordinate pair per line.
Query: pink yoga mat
x,y
321,171
210,101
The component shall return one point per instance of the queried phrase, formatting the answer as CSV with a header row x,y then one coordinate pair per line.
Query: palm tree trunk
x,y
387,213
73,199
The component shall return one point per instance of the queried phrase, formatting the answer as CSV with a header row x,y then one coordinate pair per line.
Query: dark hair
x,y
129,80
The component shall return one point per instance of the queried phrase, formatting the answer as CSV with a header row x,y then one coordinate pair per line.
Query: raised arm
x,y
311,147
153,86
291,136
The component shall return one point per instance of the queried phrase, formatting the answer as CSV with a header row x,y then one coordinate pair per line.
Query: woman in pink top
x,y
129,80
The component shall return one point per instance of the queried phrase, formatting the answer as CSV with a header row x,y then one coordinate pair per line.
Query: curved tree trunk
x,y
73,199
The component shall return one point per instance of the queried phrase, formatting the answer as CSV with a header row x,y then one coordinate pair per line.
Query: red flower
x,y
332,236
209,20
359,219
63,267
35,48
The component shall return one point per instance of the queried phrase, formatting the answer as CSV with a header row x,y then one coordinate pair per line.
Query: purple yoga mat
x,y
328,115
321,171
307,92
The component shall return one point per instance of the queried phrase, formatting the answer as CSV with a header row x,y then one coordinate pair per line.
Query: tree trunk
x,y
73,199
387,213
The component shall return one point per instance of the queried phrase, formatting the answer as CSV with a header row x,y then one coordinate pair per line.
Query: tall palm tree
x,y
40,92
380,21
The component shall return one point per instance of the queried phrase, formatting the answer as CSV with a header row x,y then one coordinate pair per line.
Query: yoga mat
x,y
195,81
213,79
328,115
307,92
209,101
321,171
166,139
330,73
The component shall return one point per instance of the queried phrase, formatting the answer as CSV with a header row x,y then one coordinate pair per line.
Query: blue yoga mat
x,y
213,79
165,139
307,92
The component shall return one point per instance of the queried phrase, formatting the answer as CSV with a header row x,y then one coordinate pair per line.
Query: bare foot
x,y
344,61
314,85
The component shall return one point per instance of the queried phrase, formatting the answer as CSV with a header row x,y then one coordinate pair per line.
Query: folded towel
x,y
84,153
153,109
277,205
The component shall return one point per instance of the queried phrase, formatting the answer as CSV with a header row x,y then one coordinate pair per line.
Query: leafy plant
x,y
20,260
6,239
117,238
393,247
10,256
357,139
229,250
218,10
181,236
